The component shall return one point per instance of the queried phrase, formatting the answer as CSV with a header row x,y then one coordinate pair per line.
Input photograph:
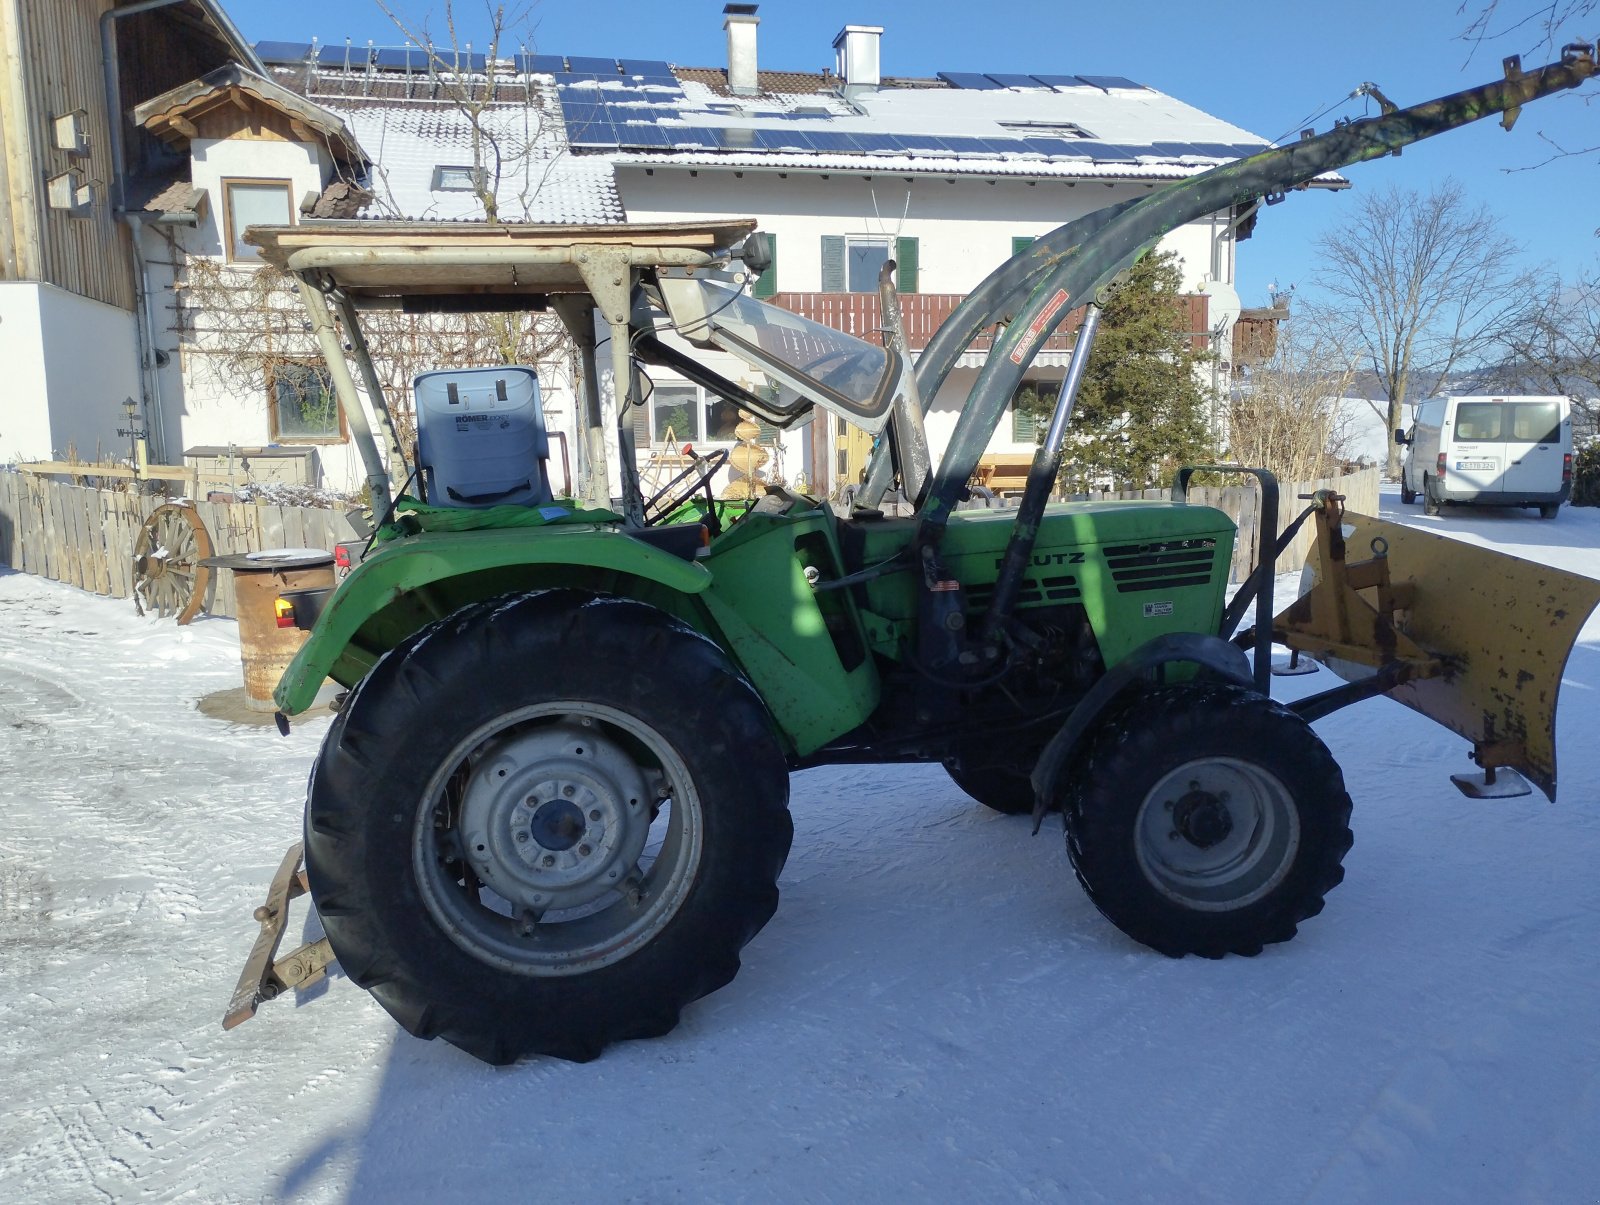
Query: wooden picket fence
x,y
1242,504
84,536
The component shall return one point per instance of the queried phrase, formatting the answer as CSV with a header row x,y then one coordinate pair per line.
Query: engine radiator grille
x,y
1136,567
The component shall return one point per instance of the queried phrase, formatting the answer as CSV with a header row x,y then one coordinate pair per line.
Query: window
x,y
1046,129
684,414
457,178
1031,407
304,407
851,263
253,203
864,260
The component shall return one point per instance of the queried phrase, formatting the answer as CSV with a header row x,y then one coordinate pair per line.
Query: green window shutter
x,y
1021,242
767,283
905,257
833,280
1024,426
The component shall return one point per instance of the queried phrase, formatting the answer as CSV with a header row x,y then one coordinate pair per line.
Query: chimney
x,y
857,47
740,21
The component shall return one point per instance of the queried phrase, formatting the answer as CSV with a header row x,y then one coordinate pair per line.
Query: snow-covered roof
x,y
558,126
419,139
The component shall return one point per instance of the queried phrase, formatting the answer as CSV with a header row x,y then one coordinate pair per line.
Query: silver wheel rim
x,y
558,839
1217,834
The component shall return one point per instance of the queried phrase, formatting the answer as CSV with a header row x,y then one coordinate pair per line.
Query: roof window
x,y
457,178
1047,129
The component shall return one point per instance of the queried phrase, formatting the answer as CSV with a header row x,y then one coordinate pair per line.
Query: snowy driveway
x,y
935,1013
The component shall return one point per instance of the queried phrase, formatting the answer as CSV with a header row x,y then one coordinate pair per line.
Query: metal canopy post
x,y
577,315
369,375
344,388
609,275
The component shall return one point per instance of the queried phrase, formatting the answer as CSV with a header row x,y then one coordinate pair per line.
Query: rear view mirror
x,y
1400,436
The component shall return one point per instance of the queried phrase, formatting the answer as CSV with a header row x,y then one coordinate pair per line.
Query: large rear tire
x,y
547,823
1207,820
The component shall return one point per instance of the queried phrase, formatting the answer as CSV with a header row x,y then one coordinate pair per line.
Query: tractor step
x,y
263,978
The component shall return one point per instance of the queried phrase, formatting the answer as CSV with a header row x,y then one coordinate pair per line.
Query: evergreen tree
x,y
1142,406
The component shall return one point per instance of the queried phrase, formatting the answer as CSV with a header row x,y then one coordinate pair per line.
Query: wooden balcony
x,y
858,314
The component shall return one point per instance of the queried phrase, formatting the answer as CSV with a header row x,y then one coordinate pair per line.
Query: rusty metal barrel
x,y
258,579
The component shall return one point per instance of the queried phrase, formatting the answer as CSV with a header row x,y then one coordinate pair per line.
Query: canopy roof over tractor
x,y
390,259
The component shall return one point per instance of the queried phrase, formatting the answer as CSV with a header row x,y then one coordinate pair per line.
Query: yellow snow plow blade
x,y
1473,639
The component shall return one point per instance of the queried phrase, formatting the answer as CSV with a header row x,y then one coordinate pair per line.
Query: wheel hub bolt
x,y
549,860
584,851
594,814
522,837
569,790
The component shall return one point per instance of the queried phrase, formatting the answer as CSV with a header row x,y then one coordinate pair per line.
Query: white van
x,y
1488,451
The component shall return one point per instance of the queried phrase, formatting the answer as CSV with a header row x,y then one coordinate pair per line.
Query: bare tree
x,y
1553,346
1289,415
1535,26
1421,285
503,135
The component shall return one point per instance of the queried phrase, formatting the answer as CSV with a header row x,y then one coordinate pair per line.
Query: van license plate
x,y
1476,466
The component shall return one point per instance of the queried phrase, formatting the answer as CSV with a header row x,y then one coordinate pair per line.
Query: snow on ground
x,y
936,1012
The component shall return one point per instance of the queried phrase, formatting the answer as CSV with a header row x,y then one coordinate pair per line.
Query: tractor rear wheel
x,y
1207,820
547,823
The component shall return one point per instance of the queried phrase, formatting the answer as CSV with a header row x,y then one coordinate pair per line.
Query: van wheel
x,y
1549,512
1430,504
1407,494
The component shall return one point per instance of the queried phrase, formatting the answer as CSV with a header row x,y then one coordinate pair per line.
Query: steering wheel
x,y
675,493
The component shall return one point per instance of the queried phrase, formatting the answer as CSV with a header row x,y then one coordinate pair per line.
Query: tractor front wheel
x,y
546,823
1207,820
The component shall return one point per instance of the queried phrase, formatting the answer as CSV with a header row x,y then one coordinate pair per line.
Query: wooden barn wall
x,y
60,44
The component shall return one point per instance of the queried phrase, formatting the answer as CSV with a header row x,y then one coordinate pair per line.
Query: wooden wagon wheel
x,y
168,577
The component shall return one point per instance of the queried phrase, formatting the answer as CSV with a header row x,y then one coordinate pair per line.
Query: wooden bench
x,y
1003,473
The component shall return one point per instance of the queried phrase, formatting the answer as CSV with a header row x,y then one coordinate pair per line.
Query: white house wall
x,y
70,362
964,227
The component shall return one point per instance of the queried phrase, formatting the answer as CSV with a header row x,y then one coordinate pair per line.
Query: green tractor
x,y
553,805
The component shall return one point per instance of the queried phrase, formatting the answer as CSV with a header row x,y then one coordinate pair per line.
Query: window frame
x,y
229,238
478,177
851,241
317,365
704,399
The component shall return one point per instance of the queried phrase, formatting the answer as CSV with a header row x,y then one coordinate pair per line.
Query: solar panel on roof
x,y
1012,80
831,142
924,144
789,140
1102,152
967,147
403,58
283,52
1111,81
642,135
334,56
1173,150
1245,149
1217,150
691,138
598,133
645,67
968,79
543,64
879,144
1060,81
579,64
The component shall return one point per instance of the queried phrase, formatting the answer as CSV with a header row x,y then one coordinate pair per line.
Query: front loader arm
x,y
1055,283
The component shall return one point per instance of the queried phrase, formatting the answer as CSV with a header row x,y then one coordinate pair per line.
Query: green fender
x,y
419,570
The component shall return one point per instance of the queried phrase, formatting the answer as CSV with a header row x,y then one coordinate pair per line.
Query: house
x,y
73,302
846,168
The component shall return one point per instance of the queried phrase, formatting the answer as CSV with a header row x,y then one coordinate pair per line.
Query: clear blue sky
x,y
1262,67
